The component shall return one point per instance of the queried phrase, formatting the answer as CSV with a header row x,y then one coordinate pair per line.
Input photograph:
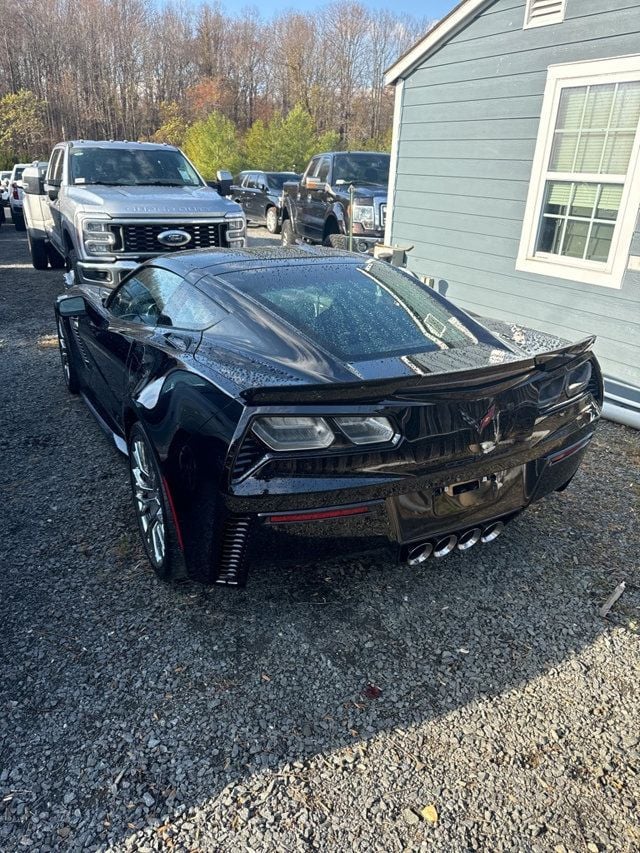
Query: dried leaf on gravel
x,y
429,813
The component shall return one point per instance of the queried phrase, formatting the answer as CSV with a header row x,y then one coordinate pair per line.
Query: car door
x,y
252,196
261,198
316,209
239,190
303,226
120,337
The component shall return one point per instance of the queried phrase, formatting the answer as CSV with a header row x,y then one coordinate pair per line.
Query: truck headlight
x,y
97,237
93,248
235,222
363,214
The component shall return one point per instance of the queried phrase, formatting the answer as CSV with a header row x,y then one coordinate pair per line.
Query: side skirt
x,y
118,440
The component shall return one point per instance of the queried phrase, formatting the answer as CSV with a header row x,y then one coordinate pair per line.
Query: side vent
x,y
539,13
232,570
80,343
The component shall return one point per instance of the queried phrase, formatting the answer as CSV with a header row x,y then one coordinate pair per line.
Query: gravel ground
x,y
322,708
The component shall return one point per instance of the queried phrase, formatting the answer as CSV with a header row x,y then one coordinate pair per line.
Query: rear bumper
x,y
392,518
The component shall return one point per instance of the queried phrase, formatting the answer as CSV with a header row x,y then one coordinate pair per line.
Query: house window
x,y
540,12
585,183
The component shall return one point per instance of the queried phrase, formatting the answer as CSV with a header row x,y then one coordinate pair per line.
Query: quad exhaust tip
x,y
420,554
492,531
469,538
445,546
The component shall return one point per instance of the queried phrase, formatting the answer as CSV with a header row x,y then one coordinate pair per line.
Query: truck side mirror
x,y
225,179
313,183
33,184
53,192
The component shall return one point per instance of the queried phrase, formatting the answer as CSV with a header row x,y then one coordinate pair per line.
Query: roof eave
x,y
448,26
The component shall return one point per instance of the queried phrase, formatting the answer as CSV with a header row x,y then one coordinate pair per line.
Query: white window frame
x,y
622,69
530,22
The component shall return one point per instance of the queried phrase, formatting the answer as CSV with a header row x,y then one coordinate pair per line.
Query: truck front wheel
x,y
56,261
38,251
71,264
288,235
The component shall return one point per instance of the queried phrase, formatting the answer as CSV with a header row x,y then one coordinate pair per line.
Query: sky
x,y
432,9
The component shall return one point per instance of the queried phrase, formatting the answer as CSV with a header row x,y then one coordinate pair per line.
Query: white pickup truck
x,y
104,207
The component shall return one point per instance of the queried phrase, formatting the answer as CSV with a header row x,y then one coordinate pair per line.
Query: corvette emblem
x,y
487,430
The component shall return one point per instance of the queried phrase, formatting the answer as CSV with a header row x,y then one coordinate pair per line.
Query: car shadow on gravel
x,y
135,713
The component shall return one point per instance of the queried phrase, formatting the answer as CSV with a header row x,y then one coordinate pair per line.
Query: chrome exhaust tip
x,y
492,531
445,545
469,538
419,554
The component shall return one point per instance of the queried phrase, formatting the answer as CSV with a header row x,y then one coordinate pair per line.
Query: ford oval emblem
x,y
174,237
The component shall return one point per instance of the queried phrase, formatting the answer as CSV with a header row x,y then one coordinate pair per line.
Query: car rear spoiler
x,y
459,381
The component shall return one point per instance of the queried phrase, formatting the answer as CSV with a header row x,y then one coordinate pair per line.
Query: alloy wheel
x,y
272,220
147,490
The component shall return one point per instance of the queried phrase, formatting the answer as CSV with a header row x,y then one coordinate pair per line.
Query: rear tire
x,y
272,218
18,221
38,251
288,237
152,506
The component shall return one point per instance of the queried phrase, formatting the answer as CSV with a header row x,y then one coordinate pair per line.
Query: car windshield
x,y
360,311
132,167
277,179
361,169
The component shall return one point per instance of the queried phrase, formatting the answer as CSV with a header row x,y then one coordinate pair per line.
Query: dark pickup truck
x,y
317,208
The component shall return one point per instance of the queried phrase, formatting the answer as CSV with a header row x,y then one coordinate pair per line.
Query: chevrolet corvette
x,y
304,403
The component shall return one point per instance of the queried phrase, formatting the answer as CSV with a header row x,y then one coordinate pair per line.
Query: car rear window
x,y
360,311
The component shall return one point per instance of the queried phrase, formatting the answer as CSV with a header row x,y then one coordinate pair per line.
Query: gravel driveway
x,y
322,708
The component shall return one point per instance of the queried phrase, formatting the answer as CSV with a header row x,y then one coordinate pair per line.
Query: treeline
x,y
115,69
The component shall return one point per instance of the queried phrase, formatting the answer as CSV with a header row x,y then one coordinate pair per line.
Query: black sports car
x,y
307,402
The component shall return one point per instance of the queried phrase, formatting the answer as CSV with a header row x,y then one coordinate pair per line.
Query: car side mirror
x,y
72,306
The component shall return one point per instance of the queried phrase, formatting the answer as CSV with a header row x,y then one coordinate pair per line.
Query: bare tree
x,y
109,68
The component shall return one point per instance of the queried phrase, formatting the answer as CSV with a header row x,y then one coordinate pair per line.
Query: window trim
x,y
622,69
530,23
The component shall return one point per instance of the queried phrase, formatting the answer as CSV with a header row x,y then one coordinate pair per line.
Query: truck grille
x,y
144,238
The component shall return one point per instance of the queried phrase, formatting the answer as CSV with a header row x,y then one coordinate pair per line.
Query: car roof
x,y
221,261
117,143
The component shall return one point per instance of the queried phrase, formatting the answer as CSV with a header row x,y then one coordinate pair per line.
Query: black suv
x,y
260,195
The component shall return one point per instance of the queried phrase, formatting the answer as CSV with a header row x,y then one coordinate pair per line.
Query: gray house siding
x,y
469,122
